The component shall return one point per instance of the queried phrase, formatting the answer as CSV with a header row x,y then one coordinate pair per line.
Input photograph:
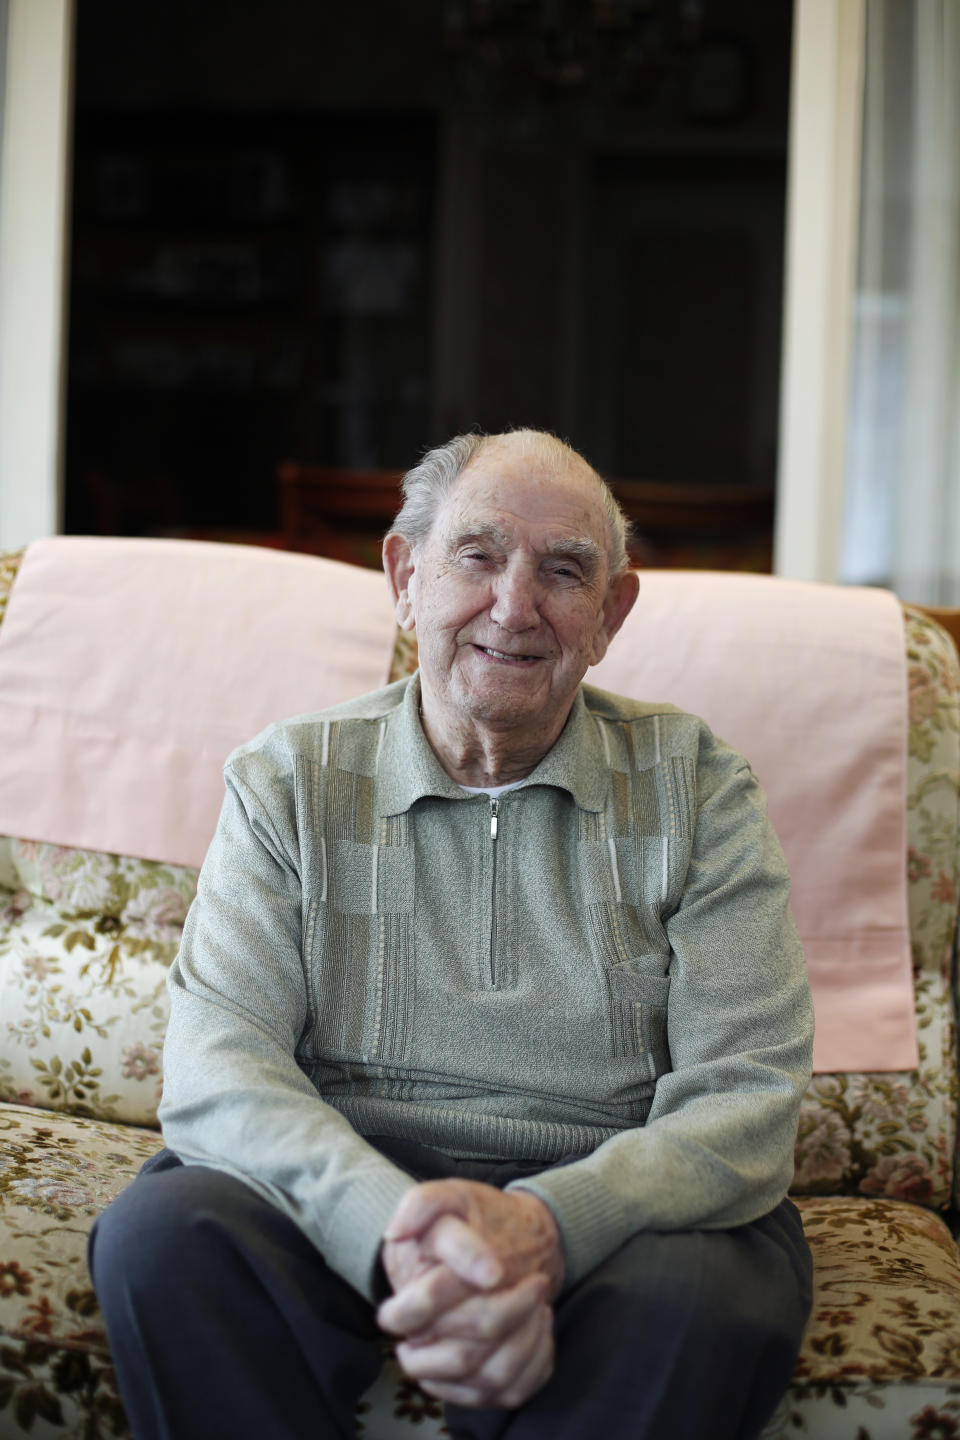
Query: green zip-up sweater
x,y
600,967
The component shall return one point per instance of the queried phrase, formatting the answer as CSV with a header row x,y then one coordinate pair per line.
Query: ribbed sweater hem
x,y
467,1134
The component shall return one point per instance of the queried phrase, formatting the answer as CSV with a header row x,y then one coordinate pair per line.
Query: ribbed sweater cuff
x,y
590,1219
354,1232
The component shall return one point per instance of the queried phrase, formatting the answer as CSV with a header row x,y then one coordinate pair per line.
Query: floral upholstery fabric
x,y
882,1349
887,1298
85,941
9,565
83,985
894,1133
57,1172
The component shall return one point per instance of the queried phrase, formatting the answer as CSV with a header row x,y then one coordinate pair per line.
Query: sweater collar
x,y
408,770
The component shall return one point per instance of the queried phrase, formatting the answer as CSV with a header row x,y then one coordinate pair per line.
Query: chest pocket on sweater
x,y
638,1007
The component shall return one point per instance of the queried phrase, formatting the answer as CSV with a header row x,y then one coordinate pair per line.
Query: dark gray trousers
x,y
225,1323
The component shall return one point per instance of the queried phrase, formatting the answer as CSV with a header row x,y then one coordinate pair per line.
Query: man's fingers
x,y
466,1252
422,1205
479,1363
487,1236
489,1318
455,1360
403,1261
422,1301
438,1304
453,1394
506,1379
522,1365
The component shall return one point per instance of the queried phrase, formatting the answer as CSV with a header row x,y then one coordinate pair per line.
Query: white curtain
x,y
902,498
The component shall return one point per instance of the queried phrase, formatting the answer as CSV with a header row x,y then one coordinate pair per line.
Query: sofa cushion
x,y
56,1174
886,1304
142,893
83,991
881,1355
887,1293
869,1410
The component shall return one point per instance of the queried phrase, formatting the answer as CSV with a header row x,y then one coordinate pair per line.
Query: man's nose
x,y
516,604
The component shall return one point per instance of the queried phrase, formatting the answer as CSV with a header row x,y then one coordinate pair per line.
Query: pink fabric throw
x,y
809,682
131,668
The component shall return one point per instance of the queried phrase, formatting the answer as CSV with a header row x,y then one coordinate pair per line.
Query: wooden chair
x,y
343,514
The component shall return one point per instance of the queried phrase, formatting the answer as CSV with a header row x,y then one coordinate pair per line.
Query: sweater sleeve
x,y
716,1150
234,1097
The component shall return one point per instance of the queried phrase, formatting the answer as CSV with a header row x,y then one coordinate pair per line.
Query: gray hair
x,y
427,483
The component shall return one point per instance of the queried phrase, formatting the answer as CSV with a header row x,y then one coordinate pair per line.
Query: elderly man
x,y
488,1030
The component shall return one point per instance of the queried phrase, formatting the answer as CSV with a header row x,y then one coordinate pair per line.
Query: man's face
x,y
509,591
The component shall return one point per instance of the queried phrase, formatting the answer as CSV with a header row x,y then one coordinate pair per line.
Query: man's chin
x,y
499,703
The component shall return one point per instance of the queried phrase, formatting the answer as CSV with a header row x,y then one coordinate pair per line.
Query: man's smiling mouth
x,y
503,655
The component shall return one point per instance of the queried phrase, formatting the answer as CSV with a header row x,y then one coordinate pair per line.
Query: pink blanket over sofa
x,y
130,668
809,682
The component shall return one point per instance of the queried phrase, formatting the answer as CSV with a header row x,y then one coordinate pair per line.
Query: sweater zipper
x,y
494,825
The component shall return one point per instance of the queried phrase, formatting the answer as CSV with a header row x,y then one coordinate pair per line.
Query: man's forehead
x,y
501,484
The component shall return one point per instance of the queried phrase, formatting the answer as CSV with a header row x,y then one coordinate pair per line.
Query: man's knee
x,y
157,1231
745,1285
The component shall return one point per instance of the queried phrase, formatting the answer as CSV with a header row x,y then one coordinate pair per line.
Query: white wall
x,y
35,128
822,218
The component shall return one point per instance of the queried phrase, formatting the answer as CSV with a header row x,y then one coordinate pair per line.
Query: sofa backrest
x,y
86,939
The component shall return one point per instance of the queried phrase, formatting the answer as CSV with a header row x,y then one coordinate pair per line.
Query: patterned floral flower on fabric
x,y
13,905
76,880
14,1280
944,889
823,1151
931,1424
139,1062
905,1176
158,908
923,694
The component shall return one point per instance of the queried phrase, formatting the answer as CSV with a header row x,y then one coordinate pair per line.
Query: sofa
x,y
86,938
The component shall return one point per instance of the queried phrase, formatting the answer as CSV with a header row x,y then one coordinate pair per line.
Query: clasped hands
x,y
474,1270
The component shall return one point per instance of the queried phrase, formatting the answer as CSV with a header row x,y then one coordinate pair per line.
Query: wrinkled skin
x,y
474,1270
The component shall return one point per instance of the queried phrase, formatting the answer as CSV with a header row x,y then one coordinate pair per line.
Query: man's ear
x,y
618,602
399,567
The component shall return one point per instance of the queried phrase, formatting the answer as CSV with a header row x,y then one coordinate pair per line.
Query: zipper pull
x,y
494,809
